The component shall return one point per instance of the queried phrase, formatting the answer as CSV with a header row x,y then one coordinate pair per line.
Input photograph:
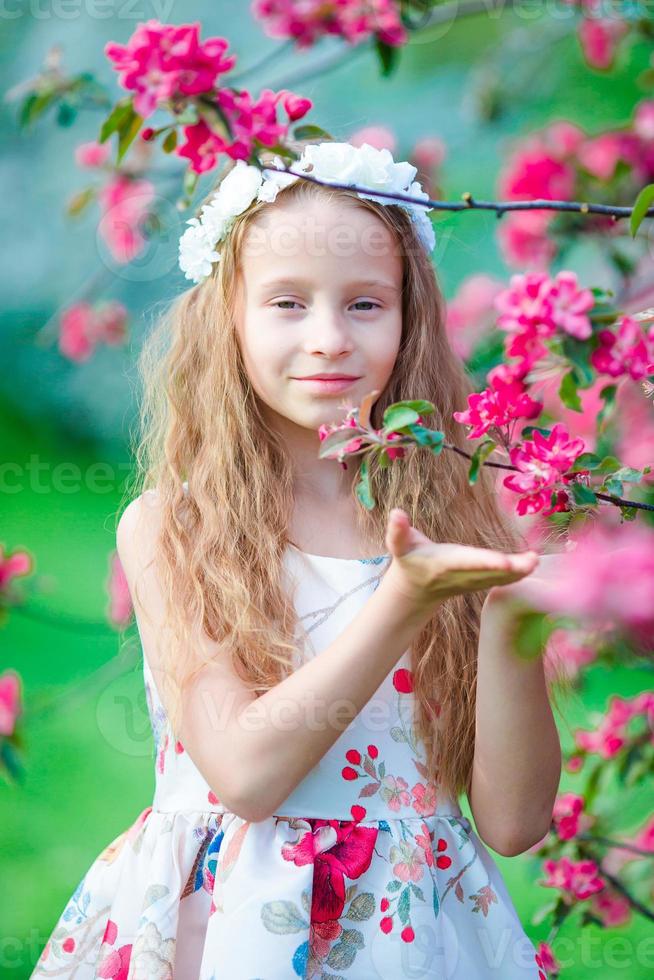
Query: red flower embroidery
x,y
403,681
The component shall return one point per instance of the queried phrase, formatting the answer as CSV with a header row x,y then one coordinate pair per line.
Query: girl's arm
x,y
517,759
253,752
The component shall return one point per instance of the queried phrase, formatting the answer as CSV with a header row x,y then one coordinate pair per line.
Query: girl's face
x,y
319,293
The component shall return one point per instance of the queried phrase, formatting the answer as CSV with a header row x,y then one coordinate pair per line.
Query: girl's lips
x,y
326,385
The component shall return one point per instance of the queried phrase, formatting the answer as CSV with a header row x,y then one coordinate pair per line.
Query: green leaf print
x,y
417,892
341,956
394,885
283,917
361,907
397,734
437,903
404,906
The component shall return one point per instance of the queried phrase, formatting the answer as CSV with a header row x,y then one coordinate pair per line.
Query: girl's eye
x,y
365,302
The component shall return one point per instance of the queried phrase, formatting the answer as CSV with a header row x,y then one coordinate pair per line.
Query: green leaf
x,y
388,57
613,486
397,416
480,454
66,113
587,461
34,106
568,392
418,405
189,182
170,142
429,438
607,395
121,111
642,204
80,201
628,513
362,488
310,132
608,464
582,494
128,130
629,474
577,352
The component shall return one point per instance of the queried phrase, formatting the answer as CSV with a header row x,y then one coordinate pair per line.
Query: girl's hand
x,y
426,572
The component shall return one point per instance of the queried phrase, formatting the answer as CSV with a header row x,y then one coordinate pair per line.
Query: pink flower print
x,y
337,850
394,792
114,964
408,861
322,936
424,841
424,799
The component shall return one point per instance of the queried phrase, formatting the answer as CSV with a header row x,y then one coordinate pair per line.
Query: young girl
x,y
324,681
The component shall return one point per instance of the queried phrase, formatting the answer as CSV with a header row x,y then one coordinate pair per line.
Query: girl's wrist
x,y
413,607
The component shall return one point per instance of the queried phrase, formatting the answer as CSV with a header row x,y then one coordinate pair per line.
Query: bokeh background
x,y
473,83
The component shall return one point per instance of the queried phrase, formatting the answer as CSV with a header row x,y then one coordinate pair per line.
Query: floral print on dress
x,y
366,870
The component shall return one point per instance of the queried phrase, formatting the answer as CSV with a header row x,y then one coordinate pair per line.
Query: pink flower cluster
x,y
504,401
611,736
92,154
568,816
608,576
577,880
326,429
550,164
353,20
627,351
543,462
249,120
162,61
10,698
83,327
599,36
125,204
568,652
534,307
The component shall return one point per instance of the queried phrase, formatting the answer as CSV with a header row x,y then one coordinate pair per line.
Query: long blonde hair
x,y
221,545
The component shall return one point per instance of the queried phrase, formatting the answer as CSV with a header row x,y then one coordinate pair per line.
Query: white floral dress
x,y
368,871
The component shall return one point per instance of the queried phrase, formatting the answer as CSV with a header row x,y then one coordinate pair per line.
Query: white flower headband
x,y
340,163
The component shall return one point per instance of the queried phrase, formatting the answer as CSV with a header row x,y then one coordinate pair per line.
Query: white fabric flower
x,y
196,253
329,162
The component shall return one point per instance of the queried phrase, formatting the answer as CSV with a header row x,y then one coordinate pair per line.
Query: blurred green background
x,y
88,754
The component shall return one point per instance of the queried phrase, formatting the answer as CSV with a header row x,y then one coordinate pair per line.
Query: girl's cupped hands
x,y
426,572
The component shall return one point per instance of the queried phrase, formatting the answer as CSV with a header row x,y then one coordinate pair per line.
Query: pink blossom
x,y
627,351
536,303
471,313
92,154
563,137
567,652
249,120
608,575
161,61
644,120
542,461
353,20
121,609
566,814
428,152
612,908
599,39
351,447
498,405
545,959
600,154
522,236
124,203
577,880
381,137
82,327
11,566
10,698
535,172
